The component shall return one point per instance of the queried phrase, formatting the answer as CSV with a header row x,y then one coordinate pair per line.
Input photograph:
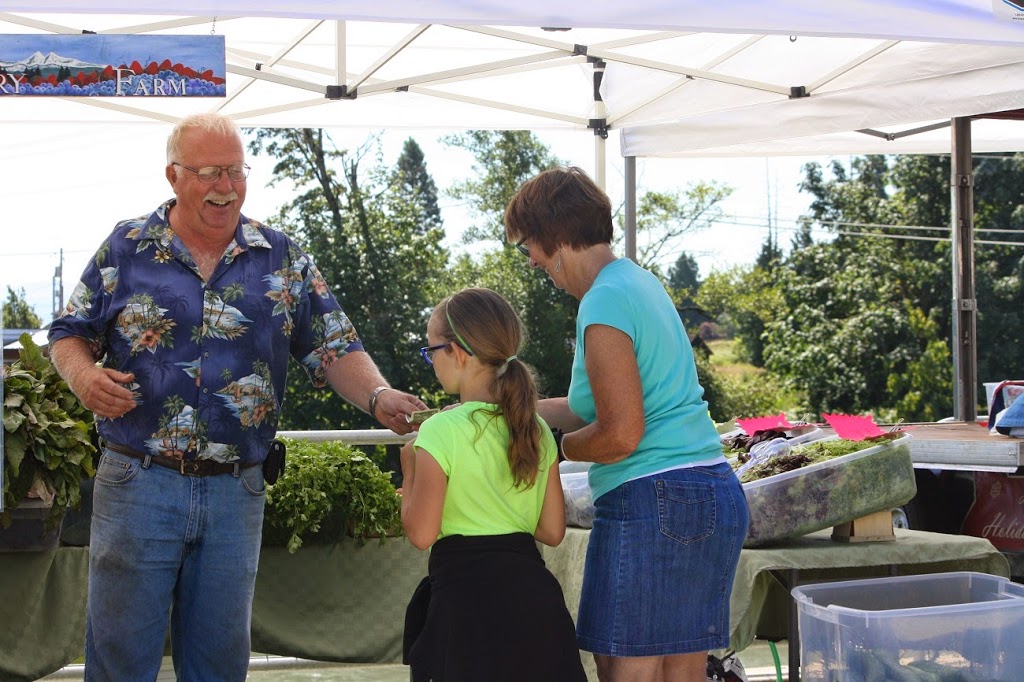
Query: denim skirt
x,y
661,562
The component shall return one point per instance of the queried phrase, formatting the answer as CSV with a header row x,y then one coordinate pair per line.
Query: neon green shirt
x,y
472,449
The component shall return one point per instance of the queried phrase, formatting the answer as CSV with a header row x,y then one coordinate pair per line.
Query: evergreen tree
x,y
414,184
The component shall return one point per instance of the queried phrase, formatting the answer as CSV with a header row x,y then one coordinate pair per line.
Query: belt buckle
x,y
188,467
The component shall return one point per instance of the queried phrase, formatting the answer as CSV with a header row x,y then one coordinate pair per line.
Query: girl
x,y
480,485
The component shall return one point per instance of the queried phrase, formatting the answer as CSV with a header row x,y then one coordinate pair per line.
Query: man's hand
x,y
393,406
100,390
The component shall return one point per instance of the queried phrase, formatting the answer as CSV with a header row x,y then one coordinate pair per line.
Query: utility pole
x,y
58,288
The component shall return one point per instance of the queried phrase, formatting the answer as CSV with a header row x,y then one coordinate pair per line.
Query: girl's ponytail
x,y
485,325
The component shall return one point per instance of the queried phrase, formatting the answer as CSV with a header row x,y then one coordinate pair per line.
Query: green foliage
x,y
863,320
663,217
17,313
376,238
743,300
49,437
924,388
504,160
329,489
719,403
760,394
845,330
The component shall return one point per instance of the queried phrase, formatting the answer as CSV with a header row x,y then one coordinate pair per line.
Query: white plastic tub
x,y
960,626
829,493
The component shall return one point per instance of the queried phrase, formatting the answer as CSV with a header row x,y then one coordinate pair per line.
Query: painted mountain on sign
x,y
51,60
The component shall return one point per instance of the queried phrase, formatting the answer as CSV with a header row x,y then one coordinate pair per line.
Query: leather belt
x,y
185,467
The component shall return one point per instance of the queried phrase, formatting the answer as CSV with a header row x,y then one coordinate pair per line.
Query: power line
x,y
846,223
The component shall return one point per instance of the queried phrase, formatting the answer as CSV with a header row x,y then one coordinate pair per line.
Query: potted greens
x,y
49,443
329,490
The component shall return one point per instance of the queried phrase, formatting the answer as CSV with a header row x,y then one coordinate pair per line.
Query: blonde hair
x,y
484,324
207,122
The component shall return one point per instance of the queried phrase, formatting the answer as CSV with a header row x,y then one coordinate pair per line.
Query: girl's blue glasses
x,y
428,351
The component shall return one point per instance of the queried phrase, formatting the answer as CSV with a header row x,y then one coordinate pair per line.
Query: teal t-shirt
x,y
472,449
679,430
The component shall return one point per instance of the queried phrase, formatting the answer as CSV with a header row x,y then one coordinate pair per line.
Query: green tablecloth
x,y
347,603
336,603
816,556
42,599
331,603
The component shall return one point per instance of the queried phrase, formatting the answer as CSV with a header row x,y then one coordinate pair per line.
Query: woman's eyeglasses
x,y
521,246
428,351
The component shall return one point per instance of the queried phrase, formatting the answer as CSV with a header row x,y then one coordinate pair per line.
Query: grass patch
x,y
726,363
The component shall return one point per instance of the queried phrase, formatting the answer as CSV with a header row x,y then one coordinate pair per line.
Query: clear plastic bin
x,y
829,493
960,626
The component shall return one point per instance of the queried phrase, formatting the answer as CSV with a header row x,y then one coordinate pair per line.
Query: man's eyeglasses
x,y
523,249
428,351
211,174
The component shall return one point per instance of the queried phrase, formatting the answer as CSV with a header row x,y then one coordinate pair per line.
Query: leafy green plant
x,y
49,436
329,489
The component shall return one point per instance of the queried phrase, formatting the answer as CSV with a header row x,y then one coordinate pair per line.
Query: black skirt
x,y
490,610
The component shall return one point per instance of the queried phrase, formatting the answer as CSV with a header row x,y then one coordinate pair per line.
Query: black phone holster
x,y
273,465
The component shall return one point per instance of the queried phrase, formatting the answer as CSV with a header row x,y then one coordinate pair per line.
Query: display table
x,y
331,603
765,575
347,603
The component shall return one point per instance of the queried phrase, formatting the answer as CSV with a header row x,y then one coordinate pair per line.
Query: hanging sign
x,y
93,65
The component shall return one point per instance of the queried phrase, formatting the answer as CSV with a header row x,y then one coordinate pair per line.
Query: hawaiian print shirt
x,y
209,358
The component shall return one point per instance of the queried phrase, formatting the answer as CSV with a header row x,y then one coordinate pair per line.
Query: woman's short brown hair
x,y
560,206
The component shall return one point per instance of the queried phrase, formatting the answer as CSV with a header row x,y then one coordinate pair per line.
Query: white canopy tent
x,y
685,77
471,64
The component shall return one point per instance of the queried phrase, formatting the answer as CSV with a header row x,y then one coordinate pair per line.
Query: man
x,y
193,311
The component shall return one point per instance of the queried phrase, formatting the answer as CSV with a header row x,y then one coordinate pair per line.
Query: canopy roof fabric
x,y
923,137
906,83
725,71
958,21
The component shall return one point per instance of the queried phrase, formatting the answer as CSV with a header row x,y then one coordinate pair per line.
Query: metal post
x,y
630,207
340,46
965,313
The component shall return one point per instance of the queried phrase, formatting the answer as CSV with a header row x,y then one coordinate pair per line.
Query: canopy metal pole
x,y
965,312
340,58
599,126
630,207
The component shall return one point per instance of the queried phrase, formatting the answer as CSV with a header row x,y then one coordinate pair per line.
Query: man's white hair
x,y
207,122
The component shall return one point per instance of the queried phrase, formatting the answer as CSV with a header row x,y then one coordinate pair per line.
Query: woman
x,y
670,515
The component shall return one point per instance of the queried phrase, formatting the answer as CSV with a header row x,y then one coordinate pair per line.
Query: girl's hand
x,y
407,457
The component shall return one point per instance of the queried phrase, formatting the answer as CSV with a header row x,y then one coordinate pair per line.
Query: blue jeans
x,y
660,564
171,548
